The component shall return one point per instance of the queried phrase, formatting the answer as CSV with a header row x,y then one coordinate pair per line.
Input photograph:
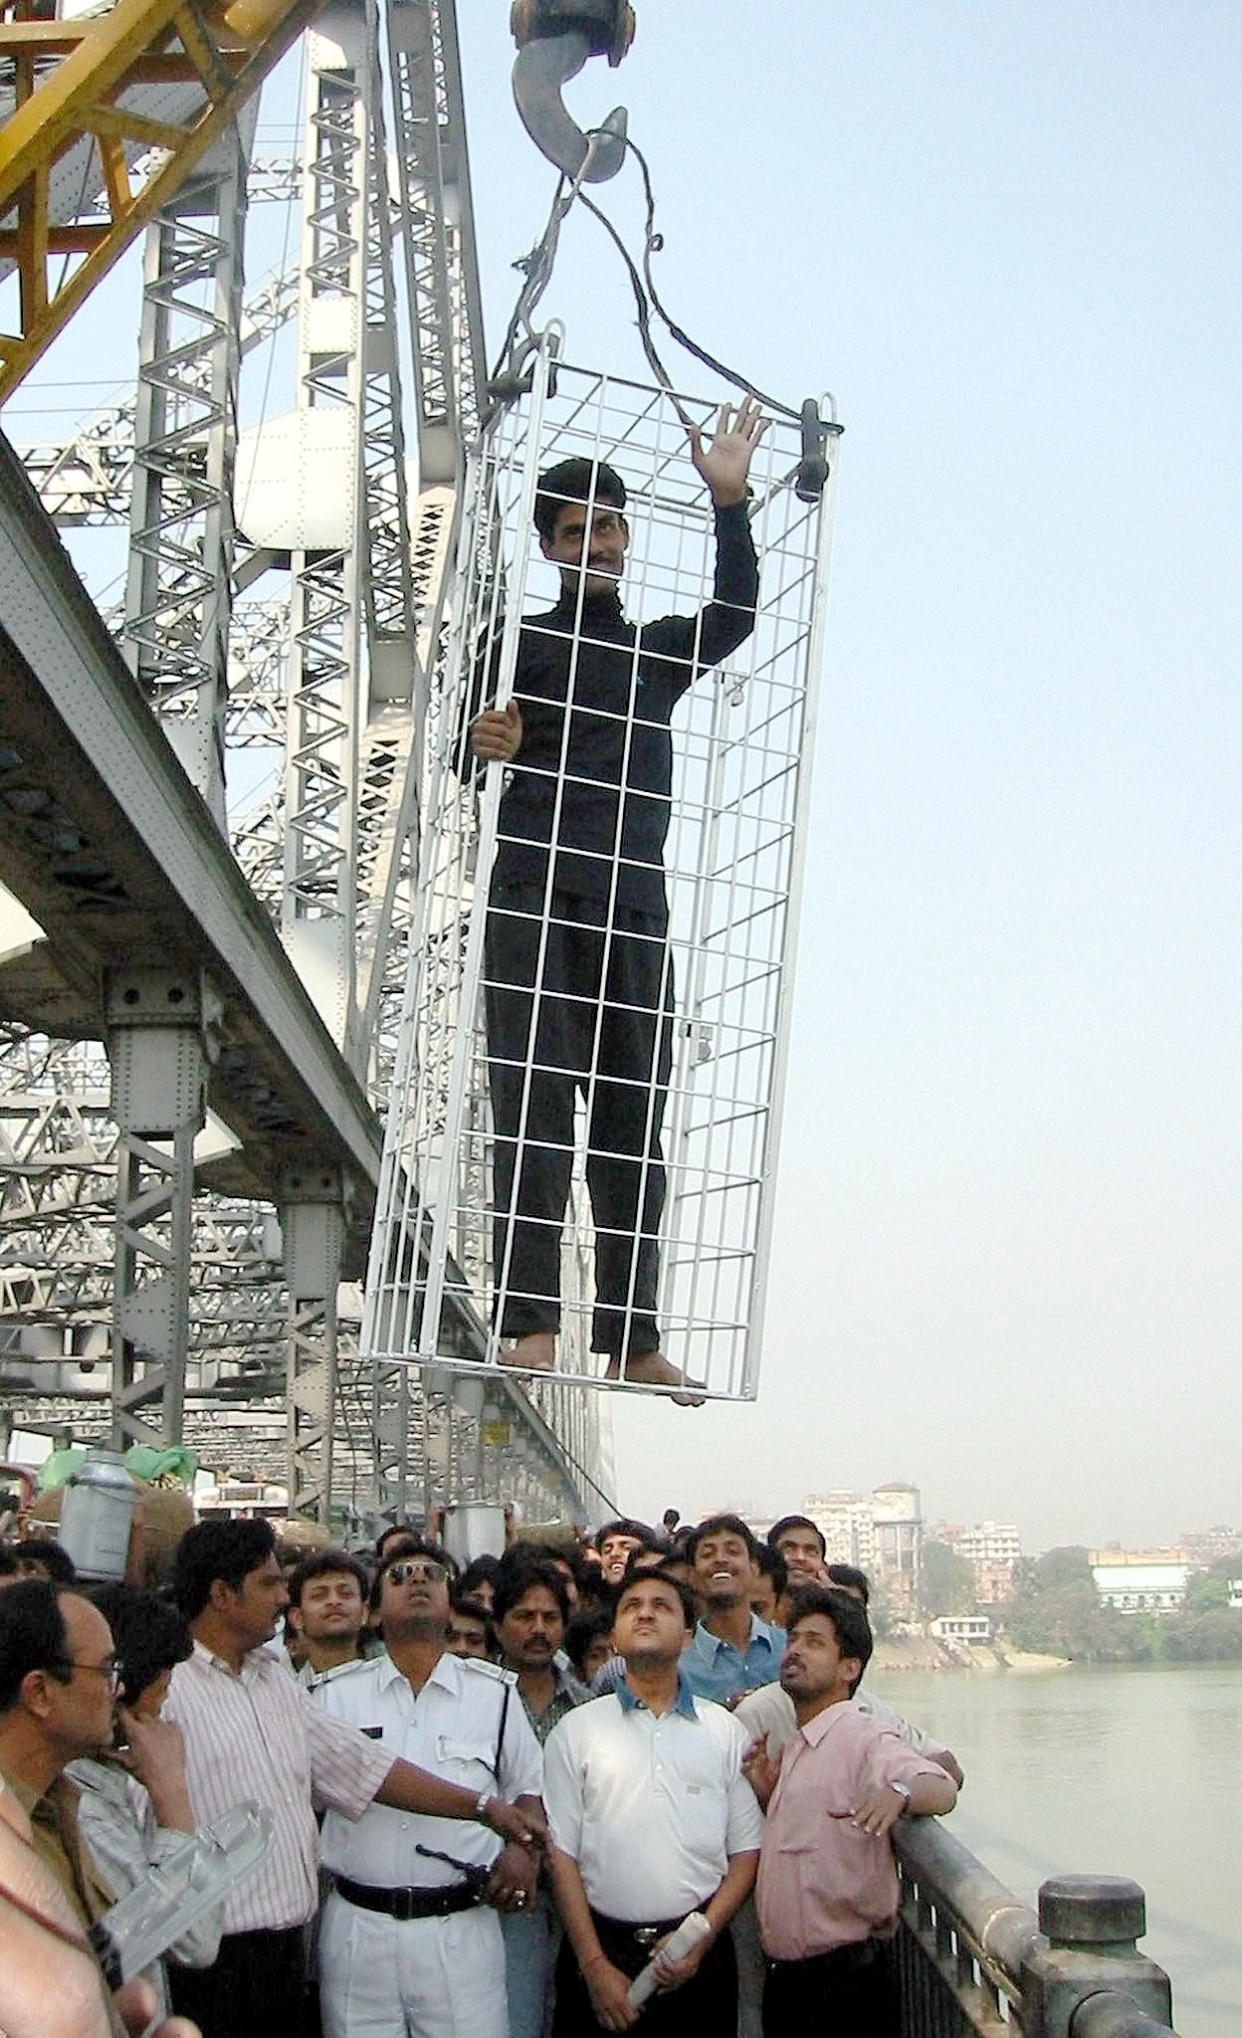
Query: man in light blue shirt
x,y
731,1650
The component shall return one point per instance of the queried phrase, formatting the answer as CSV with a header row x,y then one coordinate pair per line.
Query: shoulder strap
x,y
500,1737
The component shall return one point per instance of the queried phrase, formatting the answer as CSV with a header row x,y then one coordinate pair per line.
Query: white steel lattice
x,y
742,736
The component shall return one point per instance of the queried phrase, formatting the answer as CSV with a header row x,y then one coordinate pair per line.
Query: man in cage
x,y
579,983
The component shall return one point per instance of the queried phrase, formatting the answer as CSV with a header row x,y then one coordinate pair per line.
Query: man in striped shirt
x,y
252,1732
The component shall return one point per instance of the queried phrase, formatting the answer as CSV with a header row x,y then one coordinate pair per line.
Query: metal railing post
x,y
1090,1978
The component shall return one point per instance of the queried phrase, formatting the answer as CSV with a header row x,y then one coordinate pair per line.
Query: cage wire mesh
x,y
449,1256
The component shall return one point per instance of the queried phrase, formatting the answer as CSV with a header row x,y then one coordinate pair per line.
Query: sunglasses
x,y
424,1571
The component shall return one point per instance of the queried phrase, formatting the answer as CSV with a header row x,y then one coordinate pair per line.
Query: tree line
x,y
1056,1610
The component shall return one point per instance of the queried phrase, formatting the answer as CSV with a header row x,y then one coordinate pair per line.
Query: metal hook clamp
x,y
554,39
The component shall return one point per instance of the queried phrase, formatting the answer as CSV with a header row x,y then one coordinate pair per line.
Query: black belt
x,y
856,1953
643,1935
408,1903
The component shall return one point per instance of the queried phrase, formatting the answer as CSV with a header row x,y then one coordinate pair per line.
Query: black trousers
x,y
848,1993
707,2003
595,1015
256,1989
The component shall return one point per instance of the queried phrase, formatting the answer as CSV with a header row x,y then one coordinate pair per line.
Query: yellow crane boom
x,y
79,82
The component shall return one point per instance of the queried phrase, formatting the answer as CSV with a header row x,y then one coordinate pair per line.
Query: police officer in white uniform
x,y
410,1941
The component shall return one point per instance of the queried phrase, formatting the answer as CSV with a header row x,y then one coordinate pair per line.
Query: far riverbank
x,y
924,1653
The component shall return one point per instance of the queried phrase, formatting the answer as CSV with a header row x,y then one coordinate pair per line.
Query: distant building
x,y
881,1533
844,1519
961,1627
241,1498
1206,1546
991,1548
1140,1581
1235,1594
898,1519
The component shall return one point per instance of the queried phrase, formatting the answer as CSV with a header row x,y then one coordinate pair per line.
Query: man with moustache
x,y
827,1890
530,1617
410,1940
769,1712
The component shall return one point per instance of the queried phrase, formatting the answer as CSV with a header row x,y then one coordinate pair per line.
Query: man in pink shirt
x,y
827,1890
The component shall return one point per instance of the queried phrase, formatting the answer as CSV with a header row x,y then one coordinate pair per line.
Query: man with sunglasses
x,y
409,1939
58,1686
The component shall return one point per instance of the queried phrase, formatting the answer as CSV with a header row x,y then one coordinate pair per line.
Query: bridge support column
x,y
179,595
391,1412
158,1038
312,1222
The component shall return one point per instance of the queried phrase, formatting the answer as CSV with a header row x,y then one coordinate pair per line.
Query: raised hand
x,y
760,1770
157,1759
725,463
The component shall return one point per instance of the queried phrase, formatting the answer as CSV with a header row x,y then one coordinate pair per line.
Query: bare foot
x,y
652,1369
534,1353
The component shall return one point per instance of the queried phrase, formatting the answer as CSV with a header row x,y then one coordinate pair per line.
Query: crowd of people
x,y
573,1786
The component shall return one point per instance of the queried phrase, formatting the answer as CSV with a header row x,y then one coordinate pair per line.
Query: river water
x,y
1130,1770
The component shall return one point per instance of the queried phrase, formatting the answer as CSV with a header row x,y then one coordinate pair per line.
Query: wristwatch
x,y
902,1790
484,1798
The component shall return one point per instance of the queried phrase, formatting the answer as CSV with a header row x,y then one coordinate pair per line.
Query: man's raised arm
x,y
729,617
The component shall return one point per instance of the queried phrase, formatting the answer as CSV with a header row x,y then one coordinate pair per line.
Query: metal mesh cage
x,y
577,1177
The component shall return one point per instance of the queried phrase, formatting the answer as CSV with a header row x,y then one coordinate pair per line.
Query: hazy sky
x,y
1008,239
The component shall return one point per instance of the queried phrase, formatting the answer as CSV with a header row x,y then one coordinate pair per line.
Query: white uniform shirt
x,y
451,1728
649,1806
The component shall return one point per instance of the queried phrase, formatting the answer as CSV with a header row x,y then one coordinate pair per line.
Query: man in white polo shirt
x,y
650,1818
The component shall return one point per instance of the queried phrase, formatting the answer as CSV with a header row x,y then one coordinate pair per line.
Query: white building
x,y
961,1627
879,1532
1141,1581
844,1520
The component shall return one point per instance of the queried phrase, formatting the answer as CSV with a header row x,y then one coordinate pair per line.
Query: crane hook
x,y
554,39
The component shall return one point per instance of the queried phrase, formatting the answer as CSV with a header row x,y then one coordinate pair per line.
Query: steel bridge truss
x,y
139,1299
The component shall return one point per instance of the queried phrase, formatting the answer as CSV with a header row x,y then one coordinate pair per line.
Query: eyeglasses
x,y
63,1672
423,1572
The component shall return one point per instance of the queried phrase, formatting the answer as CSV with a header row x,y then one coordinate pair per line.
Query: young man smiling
x,y
732,1649
827,1889
651,1818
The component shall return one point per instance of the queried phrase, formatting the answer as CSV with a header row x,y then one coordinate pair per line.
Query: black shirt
x,y
622,685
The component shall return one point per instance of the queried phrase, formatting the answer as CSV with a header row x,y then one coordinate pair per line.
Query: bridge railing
x,y
972,1959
